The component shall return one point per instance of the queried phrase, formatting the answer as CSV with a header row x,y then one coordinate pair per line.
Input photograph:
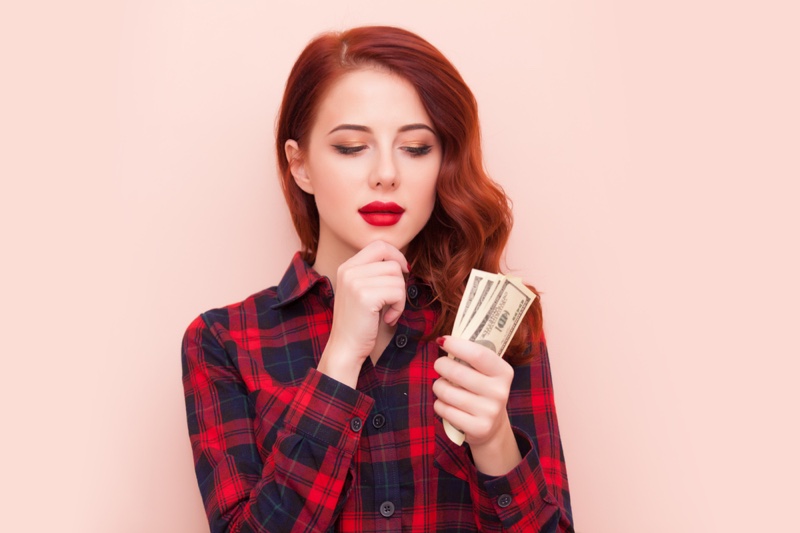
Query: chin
x,y
400,244
399,239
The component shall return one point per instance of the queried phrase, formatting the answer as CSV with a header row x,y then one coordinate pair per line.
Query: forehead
x,y
371,97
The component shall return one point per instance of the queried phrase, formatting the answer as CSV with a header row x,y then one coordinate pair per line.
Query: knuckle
x,y
495,410
343,275
505,373
383,246
457,372
483,427
500,391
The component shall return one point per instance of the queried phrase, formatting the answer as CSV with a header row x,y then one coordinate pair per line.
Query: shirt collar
x,y
299,279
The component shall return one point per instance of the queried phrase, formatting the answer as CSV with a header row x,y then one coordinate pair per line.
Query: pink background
x,y
651,150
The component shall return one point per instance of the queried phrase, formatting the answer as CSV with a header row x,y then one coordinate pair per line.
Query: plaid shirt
x,y
279,446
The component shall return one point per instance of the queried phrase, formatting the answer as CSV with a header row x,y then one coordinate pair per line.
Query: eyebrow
x,y
358,127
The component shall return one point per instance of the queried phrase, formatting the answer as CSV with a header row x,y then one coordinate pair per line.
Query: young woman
x,y
317,404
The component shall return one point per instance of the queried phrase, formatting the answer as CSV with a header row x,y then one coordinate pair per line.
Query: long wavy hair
x,y
471,219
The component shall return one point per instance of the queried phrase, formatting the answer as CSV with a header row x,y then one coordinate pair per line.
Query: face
x,y
371,161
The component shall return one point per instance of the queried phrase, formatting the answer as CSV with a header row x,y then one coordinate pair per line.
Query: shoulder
x,y
241,312
259,309
230,325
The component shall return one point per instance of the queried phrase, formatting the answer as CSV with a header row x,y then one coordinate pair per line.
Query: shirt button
x,y
413,291
355,424
504,500
378,421
387,509
401,341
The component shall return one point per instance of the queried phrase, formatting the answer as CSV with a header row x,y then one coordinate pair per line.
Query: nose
x,y
384,175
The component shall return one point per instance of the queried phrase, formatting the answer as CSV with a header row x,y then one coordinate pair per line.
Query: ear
x,y
297,166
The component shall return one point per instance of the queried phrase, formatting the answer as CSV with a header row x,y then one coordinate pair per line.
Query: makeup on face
x,y
413,139
371,162
381,213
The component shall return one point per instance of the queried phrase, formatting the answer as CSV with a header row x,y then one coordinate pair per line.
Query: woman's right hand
x,y
369,287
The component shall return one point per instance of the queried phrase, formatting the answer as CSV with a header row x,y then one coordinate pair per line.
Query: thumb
x,y
392,312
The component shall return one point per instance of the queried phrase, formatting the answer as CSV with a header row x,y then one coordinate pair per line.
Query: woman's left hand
x,y
473,398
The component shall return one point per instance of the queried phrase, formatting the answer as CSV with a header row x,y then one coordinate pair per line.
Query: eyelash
x,y
413,151
417,151
348,150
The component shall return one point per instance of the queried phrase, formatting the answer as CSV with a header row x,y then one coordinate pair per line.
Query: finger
x,y
365,281
380,283
457,397
478,404
396,306
351,273
472,414
385,296
477,356
386,279
458,418
378,251
461,375
371,275
392,315
380,293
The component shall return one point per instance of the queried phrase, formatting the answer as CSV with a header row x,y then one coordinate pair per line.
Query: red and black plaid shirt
x,y
279,446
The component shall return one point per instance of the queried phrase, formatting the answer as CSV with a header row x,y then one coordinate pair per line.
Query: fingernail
x,y
440,341
408,267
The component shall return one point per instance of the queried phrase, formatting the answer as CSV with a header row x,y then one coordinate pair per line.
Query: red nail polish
x,y
408,267
440,341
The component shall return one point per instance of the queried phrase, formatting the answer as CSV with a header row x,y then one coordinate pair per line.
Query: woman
x,y
313,413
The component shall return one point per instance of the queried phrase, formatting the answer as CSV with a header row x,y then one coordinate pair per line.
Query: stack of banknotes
x,y
490,312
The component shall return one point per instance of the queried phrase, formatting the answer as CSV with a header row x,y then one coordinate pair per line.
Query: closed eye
x,y
349,150
416,151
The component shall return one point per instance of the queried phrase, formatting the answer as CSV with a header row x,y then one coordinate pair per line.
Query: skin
x,y
396,159
473,398
372,140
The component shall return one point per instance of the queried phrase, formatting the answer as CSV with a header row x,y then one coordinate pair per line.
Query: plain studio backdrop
x,y
650,149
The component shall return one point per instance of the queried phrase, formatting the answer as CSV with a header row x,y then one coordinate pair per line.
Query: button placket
x,y
387,509
413,292
378,421
401,341
504,500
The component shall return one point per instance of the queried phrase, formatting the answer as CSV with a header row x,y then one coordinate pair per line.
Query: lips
x,y
381,213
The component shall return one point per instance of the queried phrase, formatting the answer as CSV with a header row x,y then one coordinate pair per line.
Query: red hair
x,y
472,218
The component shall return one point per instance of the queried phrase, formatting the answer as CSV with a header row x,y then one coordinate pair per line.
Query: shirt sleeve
x,y
303,478
534,496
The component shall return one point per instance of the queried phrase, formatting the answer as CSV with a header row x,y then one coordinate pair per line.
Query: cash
x,y
491,310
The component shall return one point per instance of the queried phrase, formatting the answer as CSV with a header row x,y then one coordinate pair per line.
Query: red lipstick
x,y
381,213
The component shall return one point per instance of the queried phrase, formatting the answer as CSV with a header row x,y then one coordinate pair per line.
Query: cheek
x,y
327,181
424,174
430,184
431,197
428,196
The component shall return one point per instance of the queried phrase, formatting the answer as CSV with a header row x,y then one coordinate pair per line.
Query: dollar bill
x,y
470,292
497,321
480,288
490,312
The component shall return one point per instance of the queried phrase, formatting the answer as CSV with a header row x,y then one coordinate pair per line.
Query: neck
x,y
328,261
